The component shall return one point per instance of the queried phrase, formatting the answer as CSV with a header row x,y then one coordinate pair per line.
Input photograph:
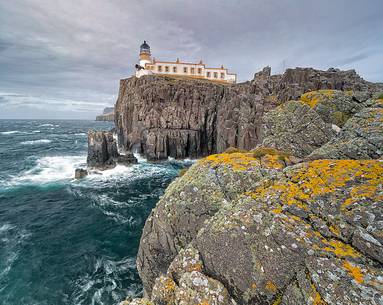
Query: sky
x,y
63,59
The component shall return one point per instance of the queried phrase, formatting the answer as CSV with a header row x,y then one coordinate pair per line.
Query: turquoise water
x,y
64,241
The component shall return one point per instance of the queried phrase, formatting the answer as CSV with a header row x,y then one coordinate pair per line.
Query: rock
x,y
253,228
102,149
163,117
126,159
295,128
103,153
360,138
335,106
107,115
80,173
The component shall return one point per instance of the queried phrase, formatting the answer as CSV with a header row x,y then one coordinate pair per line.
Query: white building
x,y
148,66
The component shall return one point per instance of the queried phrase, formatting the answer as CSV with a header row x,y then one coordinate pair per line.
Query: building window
x,y
223,75
185,70
159,68
192,70
208,74
215,75
166,69
199,71
174,69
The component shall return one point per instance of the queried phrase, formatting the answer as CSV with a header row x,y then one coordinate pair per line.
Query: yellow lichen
x,y
278,300
237,161
340,249
334,230
169,284
317,299
312,98
271,286
354,271
254,286
325,177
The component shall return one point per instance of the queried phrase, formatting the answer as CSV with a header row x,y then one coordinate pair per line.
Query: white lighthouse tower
x,y
145,58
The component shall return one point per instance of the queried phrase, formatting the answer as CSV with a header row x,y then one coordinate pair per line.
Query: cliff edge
x,y
163,117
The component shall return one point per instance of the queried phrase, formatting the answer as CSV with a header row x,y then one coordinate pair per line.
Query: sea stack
x,y
103,153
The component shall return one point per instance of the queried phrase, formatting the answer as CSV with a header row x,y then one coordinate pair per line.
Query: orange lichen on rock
x,y
237,161
312,98
340,249
360,179
354,271
271,286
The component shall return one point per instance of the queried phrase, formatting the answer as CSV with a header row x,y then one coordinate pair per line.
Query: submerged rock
x,y
253,228
80,173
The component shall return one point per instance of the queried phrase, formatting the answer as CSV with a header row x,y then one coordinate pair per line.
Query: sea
x,y
67,241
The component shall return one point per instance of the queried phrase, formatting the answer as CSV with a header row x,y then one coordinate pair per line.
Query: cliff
x,y
107,115
265,227
162,116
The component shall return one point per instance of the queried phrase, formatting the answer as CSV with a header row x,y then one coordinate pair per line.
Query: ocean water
x,y
64,241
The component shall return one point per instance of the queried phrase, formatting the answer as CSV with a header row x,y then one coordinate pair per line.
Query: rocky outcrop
x,y
103,153
107,115
80,173
326,116
255,228
360,138
262,226
295,128
161,116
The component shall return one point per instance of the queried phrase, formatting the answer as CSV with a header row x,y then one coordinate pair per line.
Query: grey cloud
x,y
78,50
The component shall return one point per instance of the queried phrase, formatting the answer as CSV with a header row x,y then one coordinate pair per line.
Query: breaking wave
x,y
50,169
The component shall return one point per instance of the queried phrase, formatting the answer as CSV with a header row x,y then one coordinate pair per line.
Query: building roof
x,y
144,47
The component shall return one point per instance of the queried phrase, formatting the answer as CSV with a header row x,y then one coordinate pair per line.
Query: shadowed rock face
x,y
161,116
103,153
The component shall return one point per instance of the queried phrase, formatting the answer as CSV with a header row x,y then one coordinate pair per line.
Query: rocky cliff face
x,y
265,227
107,115
161,117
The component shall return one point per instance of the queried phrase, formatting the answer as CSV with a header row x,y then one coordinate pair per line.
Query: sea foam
x,y
50,169
9,132
33,142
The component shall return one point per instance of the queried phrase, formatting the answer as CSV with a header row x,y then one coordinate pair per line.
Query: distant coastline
x,y
107,115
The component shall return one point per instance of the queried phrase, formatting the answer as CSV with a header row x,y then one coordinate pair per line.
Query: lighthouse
x,y
148,66
145,56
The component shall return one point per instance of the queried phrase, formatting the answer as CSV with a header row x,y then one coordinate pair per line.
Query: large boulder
x,y
252,228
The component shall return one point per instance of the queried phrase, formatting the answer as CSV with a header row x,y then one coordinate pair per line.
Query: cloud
x,y
78,50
